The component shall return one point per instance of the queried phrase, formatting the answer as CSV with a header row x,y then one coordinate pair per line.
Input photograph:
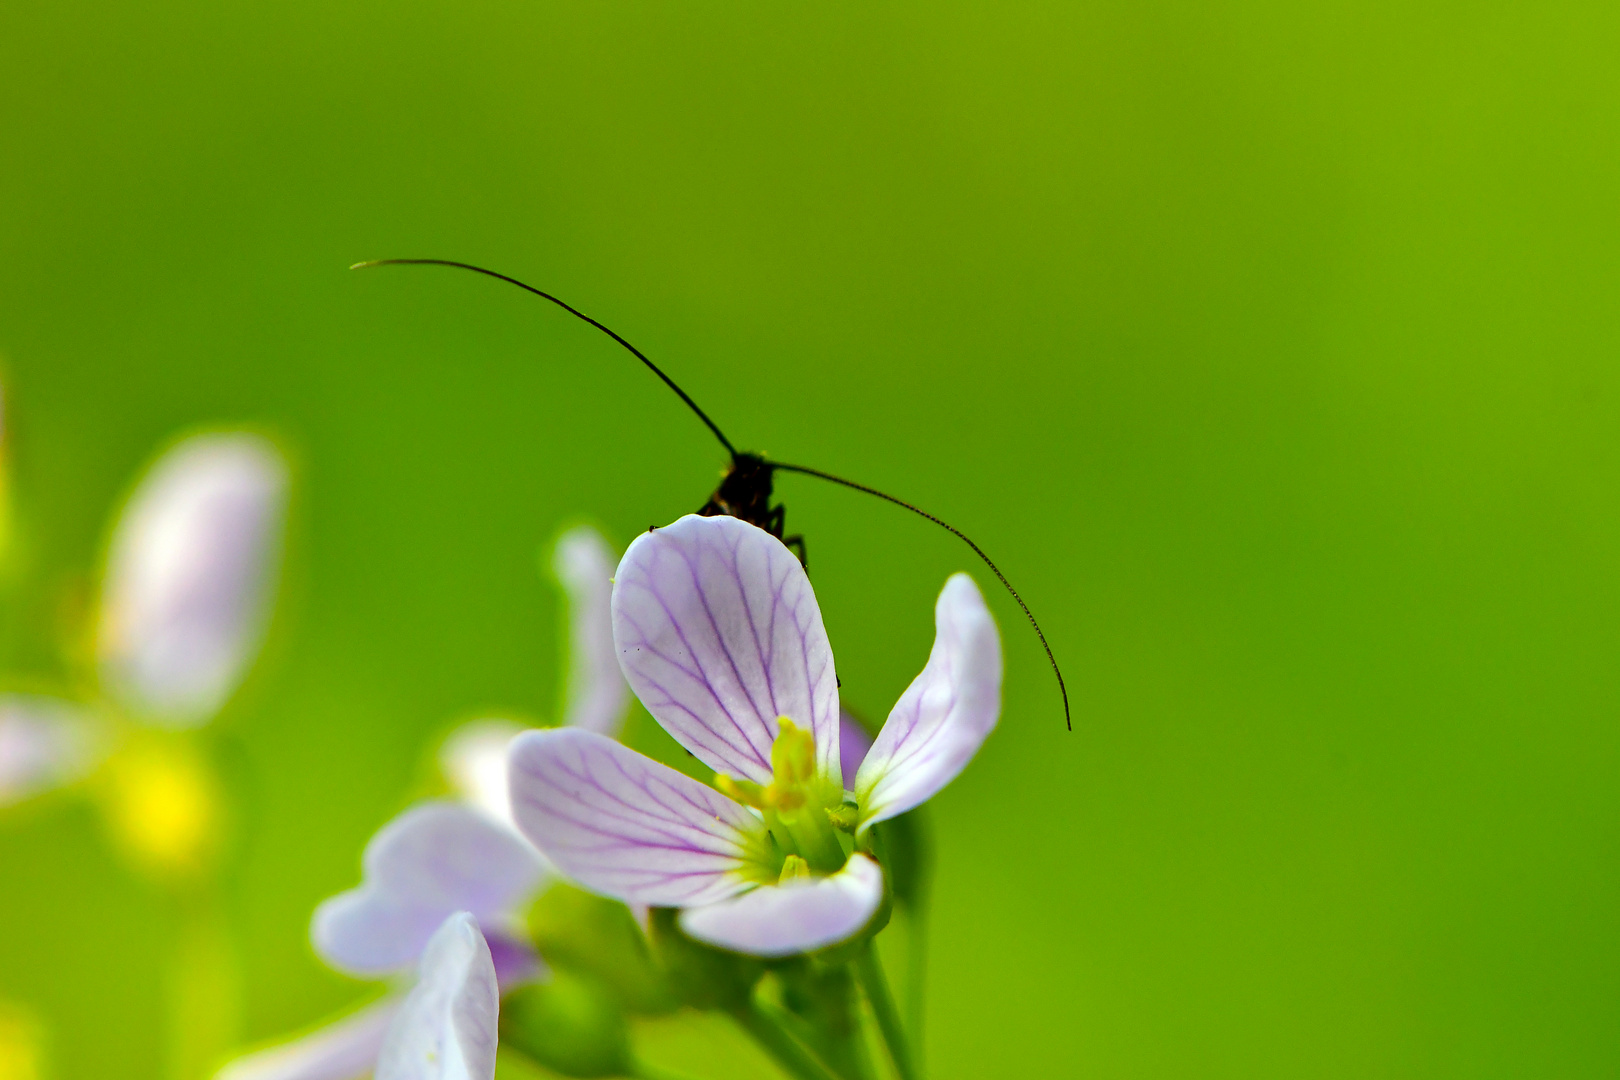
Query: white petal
x,y
189,577
597,696
944,715
44,743
447,1027
344,1050
797,916
432,860
719,635
474,760
626,826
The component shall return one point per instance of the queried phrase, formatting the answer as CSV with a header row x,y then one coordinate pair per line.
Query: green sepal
x,y
700,975
599,937
571,1024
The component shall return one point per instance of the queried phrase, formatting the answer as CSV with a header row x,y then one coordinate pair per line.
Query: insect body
x,y
745,492
746,489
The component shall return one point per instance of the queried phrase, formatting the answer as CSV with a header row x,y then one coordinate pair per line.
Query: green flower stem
x,y
870,974
784,1049
841,1053
916,977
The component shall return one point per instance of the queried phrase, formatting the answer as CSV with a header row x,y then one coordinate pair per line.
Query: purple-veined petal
x,y
625,825
44,743
794,917
432,860
474,760
944,715
343,1050
189,577
853,743
446,1029
597,695
719,634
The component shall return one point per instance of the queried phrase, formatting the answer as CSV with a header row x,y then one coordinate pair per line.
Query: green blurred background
x,y
1270,348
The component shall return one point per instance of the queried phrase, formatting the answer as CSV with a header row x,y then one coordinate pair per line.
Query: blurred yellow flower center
x,y
162,806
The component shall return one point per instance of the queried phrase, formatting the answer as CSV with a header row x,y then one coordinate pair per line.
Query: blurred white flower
x,y
189,576
438,858
44,743
185,597
597,696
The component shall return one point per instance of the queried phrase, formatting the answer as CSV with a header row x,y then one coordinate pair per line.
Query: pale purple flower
x,y
430,862
184,599
189,575
719,635
442,857
446,1028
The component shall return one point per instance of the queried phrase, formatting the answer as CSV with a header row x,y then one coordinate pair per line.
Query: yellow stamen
x,y
793,867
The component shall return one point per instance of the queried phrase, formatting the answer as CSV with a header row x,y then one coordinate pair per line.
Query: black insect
x,y
746,490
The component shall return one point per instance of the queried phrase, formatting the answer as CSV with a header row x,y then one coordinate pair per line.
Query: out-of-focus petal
x,y
432,860
474,760
626,826
853,743
189,577
719,635
44,743
344,1050
597,695
794,917
944,715
447,1027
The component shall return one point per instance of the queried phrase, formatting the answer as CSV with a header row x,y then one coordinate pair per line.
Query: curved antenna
x,y
578,314
962,536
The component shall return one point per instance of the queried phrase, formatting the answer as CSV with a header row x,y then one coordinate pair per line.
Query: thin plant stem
x,y
916,978
870,973
775,1039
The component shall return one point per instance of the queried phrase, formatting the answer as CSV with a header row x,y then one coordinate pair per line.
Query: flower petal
x,y
719,635
853,743
189,577
597,695
343,1050
944,715
626,826
44,743
446,1029
432,860
794,917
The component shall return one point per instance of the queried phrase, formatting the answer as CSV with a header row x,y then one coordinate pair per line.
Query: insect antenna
x,y
962,536
578,314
